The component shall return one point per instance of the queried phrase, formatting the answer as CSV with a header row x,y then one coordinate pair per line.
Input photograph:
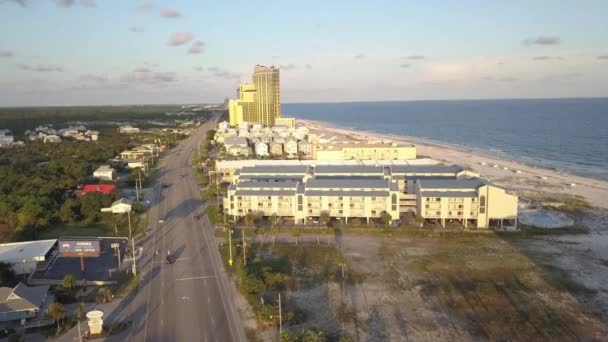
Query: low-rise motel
x,y
302,190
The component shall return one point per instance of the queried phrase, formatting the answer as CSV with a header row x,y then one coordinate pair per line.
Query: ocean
x,y
567,135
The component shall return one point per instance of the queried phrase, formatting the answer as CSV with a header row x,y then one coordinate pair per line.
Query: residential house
x,y
104,172
261,149
222,126
21,302
103,188
120,206
304,148
276,149
237,146
278,138
128,129
291,146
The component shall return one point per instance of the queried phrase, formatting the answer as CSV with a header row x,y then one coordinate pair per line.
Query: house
x,y
256,126
104,172
52,138
138,164
278,138
120,206
237,146
128,129
261,149
305,148
222,126
276,149
244,125
291,146
21,302
103,188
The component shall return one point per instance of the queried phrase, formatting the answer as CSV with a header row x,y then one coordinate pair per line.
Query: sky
x,y
111,52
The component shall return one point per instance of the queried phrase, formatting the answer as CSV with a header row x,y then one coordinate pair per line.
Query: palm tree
x,y
324,218
81,309
104,295
386,218
68,281
57,313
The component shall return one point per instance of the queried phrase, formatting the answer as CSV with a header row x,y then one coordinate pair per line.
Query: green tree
x,y
345,338
250,219
57,313
386,218
31,214
312,335
81,310
69,211
288,337
324,218
68,281
104,295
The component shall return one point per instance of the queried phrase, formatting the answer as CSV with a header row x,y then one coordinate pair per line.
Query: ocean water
x,y
568,135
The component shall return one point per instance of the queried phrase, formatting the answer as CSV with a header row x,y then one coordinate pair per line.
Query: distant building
x,y
128,129
278,138
276,148
365,151
305,148
237,146
291,146
26,257
120,206
21,302
103,188
289,122
260,101
53,139
222,126
261,149
104,172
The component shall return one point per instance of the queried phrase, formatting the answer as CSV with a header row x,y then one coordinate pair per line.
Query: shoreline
x,y
530,181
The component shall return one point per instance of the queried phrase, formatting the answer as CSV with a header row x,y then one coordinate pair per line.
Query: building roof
x,y
122,201
265,192
448,194
22,297
234,140
322,169
103,188
348,193
337,183
274,169
458,183
104,168
29,250
266,185
416,169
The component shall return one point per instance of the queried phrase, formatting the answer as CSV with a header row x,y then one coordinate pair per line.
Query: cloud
x,y
275,57
22,3
40,68
93,78
546,58
287,67
213,69
65,3
169,13
219,73
507,79
602,57
404,65
359,56
542,40
5,54
562,76
197,47
180,38
136,29
414,57
198,68
146,6
308,67
88,3
145,75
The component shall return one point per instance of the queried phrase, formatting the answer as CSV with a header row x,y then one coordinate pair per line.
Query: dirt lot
x,y
468,287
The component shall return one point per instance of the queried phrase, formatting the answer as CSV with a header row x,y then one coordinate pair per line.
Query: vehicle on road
x,y
197,217
165,185
161,221
170,258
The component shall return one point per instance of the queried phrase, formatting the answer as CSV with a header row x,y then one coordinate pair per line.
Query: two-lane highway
x,y
188,300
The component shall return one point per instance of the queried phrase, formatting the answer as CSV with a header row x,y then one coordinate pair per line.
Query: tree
x,y
288,337
81,310
324,218
250,219
68,281
104,295
386,218
68,212
313,335
345,338
57,313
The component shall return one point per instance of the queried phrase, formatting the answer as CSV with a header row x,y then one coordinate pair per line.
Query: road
x,y
190,300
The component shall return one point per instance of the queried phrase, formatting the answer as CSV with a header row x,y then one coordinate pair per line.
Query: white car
x,y
161,221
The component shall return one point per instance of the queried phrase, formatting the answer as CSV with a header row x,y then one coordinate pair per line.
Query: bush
x,y
252,285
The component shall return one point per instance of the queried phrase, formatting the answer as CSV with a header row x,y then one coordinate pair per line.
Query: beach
x,y
524,180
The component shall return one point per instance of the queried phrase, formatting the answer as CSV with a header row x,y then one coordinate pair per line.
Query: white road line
x,y
192,278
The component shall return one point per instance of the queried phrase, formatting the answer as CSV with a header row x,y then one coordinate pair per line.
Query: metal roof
x,y
275,185
323,169
469,183
347,193
265,192
448,194
454,169
30,250
281,169
337,183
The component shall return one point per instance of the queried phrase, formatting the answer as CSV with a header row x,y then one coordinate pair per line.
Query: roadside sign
x,y
73,248
115,245
230,262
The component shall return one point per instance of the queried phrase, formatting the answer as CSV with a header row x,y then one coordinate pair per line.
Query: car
x,y
171,259
161,221
164,185
197,217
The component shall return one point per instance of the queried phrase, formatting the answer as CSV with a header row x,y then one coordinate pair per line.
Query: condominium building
x,y
365,151
438,193
260,101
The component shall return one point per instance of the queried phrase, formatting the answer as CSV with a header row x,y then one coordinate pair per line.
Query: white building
x,y
237,146
128,129
120,206
305,148
261,149
104,172
52,138
26,256
244,125
256,127
222,126
291,147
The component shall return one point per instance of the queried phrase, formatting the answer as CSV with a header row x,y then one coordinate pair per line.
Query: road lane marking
x,y
192,278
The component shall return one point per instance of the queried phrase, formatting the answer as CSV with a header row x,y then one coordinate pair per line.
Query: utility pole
x,y
136,189
230,246
244,250
280,317
132,244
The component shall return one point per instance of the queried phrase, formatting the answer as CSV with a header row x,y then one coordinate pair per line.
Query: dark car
x,y
170,259
197,217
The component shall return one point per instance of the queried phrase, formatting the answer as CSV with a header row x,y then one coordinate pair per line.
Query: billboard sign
x,y
76,248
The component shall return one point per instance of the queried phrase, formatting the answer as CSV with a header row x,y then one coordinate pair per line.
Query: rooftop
x,y
458,183
321,169
29,250
274,169
348,183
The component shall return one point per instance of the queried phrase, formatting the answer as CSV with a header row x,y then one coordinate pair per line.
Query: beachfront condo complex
x,y
364,151
259,101
443,194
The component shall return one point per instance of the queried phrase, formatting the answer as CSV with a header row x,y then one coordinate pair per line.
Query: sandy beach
x,y
526,181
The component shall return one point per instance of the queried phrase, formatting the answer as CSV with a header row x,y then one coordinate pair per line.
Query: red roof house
x,y
103,188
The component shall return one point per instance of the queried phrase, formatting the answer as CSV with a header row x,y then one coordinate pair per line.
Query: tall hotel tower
x,y
260,101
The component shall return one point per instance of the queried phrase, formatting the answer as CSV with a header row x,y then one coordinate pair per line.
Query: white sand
x,y
529,181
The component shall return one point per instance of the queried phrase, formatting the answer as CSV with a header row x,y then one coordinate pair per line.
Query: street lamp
x,y
134,266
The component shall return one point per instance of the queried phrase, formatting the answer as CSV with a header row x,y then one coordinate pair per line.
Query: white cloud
x,y
180,38
169,13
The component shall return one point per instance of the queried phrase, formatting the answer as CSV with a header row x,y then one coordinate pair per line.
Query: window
x,y
460,206
437,199
352,205
428,199
373,198
340,198
460,213
427,206
330,205
310,211
231,198
438,212
394,202
232,206
373,212
300,203
269,198
482,204
240,210
340,211
240,198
